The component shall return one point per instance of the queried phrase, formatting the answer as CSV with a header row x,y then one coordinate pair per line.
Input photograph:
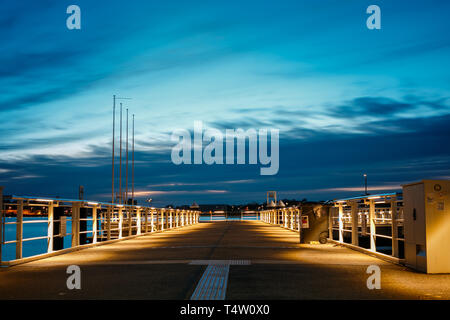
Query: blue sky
x,y
346,99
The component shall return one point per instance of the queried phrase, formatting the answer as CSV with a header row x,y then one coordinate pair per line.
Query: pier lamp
x,y
365,184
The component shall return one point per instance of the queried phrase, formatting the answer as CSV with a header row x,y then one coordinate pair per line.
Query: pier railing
x,y
288,218
62,225
373,223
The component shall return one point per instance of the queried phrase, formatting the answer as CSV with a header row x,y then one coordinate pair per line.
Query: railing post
x,y
394,233
146,219
330,221
75,224
162,219
50,227
355,234
19,229
373,246
286,213
152,220
177,213
156,216
341,223
130,220
299,226
120,222
182,217
167,222
293,219
94,224
289,218
138,221
167,219
109,214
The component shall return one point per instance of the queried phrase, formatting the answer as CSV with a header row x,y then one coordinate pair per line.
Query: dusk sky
x,y
346,100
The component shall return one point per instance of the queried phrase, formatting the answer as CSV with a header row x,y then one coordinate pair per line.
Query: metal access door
x,y
414,224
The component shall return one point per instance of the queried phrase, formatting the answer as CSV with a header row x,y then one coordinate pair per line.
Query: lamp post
x,y
365,184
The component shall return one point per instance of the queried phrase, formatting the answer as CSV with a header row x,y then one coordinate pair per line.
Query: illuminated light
x,y
93,203
375,197
119,205
45,200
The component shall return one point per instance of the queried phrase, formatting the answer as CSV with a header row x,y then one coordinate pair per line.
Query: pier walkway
x,y
244,259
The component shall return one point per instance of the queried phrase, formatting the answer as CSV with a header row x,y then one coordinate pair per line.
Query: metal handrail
x,y
135,220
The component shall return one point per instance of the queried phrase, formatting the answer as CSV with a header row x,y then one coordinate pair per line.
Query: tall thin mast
x,y
126,174
132,168
120,168
113,138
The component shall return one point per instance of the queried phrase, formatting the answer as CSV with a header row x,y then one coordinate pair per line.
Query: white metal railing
x,y
226,217
89,222
361,216
288,218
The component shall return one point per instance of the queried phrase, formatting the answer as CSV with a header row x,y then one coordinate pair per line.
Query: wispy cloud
x,y
215,182
384,187
154,192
